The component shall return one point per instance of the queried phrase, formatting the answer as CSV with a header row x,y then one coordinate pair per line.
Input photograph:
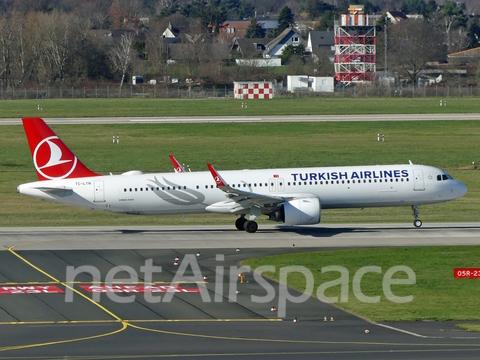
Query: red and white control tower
x,y
355,43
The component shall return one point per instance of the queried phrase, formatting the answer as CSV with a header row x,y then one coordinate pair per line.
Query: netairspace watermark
x,y
189,274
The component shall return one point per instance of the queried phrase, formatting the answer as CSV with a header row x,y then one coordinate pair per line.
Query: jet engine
x,y
298,212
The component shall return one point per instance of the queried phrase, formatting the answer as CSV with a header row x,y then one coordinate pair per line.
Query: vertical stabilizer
x,y
51,157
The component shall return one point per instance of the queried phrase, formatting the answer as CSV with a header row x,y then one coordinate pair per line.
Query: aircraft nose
x,y
463,189
459,189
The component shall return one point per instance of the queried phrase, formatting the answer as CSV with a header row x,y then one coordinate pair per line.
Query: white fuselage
x,y
186,193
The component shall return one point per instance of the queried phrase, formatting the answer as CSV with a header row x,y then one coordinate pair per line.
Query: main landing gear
x,y
249,226
417,222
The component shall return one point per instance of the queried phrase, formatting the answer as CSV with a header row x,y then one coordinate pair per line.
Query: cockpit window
x,y
444,177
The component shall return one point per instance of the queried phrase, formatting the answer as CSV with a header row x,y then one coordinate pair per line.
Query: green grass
x,y
65,108
437,295
450,145
469,327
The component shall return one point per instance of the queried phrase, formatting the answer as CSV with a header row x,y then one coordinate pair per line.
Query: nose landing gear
x,y
417,222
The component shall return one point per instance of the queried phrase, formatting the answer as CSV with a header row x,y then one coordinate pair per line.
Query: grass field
x,y
437,295
65,108
449,145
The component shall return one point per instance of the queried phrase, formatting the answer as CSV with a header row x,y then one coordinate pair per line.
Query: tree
x,y
473,32
326,21
254,30
285,19
63,37
121,55
165,8
413,43
452,14
413,6
291,52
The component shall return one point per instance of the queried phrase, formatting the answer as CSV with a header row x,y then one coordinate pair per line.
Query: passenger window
x,y
206,186
211,186
136,189
294,183
260,184
168,187
343,181
254,184
158,188
125,190
198,187
146,189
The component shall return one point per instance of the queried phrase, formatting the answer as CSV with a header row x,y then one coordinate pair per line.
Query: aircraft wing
x,y
246,199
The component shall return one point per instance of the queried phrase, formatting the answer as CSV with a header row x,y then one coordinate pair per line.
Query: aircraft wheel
x,y
240,223
250,226
417,223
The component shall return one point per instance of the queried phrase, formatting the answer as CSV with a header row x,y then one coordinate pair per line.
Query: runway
x,y
42,324
227,237
230,119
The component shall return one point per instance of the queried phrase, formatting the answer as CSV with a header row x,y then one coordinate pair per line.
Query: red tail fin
x,y
51,157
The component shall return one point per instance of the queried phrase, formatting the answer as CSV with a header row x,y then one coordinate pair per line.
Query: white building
x,y
310,83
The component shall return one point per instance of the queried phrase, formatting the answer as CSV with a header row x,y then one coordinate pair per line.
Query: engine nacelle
x,y
298,212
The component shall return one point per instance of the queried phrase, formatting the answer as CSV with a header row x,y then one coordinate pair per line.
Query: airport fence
x,y
201,92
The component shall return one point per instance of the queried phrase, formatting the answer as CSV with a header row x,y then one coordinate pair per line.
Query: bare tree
x,y
63,37
413,43
121,55
7,41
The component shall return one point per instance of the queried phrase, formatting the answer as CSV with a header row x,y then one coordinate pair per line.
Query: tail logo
x,y
48,158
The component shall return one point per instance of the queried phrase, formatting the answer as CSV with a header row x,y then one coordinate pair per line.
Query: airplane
x,y
292,196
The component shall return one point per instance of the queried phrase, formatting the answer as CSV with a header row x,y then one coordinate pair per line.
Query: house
x,y
318,40
275,47
396,16
321,42
464,57
249,48
235,29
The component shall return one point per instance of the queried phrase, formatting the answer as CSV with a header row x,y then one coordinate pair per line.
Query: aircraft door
x,y
276,185
99,195
272,185
419,184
